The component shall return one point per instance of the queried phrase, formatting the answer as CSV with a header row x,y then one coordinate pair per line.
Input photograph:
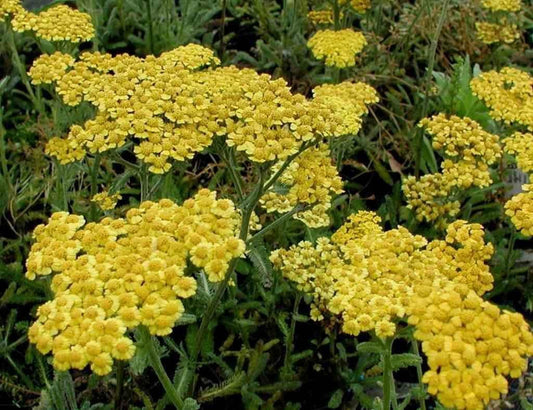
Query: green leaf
x,y
399,361
370,347
336,399
190,404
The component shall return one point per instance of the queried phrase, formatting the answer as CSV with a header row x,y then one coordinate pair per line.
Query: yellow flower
x,y
361,6
371,278
520,209
106,201
338,48
521,146
49,68
502,5
508,93
114,275
490,33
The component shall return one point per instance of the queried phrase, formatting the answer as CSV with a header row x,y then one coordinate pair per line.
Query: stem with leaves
x,y
155,363
388,378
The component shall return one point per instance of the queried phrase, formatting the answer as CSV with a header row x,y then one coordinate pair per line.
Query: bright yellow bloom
x,y
113,275
502,5
508,93
372,278
57,23
49,68
311,180
469,150
361,6
520,209
320,16
105,200
490,33
521,146
337,48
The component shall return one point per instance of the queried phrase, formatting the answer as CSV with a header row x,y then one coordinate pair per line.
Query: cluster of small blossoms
x,y
174,106
520,145
57,23
502,32
320,16
508,93
468,151
117,274
311,179
350,100
372,278
502,5
47,69
337,48
520,209
106,201
9,8
360,6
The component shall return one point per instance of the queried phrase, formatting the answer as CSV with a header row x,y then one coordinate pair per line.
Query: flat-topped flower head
x,y
56,23
509,95
371,279
520,209
502,5
47,69
337,48
490,33
114,275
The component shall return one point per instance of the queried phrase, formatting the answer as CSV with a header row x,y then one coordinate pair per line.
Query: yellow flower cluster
x,y
337,48
49,68
349,100
360,6
508,93
372,278
57,23
311,179
468,151
490,33
173,107
117,274
502,5
520,209
471,345
320,16
8,8
105,200
521,146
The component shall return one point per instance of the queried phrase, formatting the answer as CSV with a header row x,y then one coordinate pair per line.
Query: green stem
x,y
155,362
277,222
21,68
290,336
284,166
429,73
120,385
144,180
336,15
232,167
94,185
510,250
3,158
388,379
150,26
213,304
223,30
419,373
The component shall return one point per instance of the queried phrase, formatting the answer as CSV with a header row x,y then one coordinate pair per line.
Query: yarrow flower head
x,y
337,48
311,179
520,209
521,146
47,69
57,23
502,5
173,107
360,6
372,278
508,93
320,16
105,200
468,151
114,275
503,32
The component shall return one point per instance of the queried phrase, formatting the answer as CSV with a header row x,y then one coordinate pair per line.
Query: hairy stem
x,y
419,373
388,379
155,363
